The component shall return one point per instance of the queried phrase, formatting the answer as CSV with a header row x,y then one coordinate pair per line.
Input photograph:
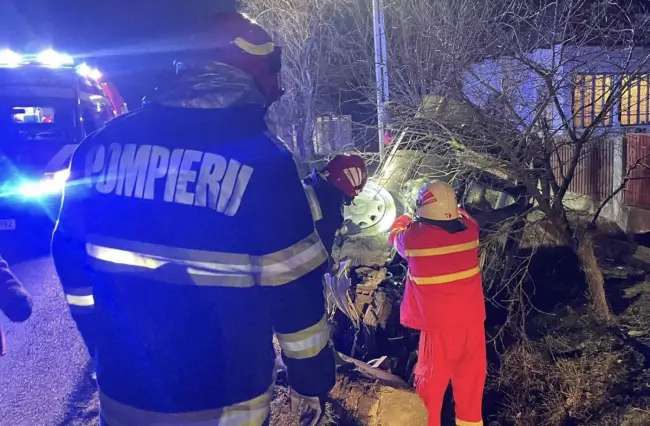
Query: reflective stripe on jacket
x,y
443,286
326,204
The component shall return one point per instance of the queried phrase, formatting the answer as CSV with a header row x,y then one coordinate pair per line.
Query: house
x,y
603,90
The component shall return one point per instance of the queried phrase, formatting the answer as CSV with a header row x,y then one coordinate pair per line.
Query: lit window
x,y
634,101
590,95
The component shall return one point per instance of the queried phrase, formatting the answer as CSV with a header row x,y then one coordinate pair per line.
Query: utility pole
x,y
381,70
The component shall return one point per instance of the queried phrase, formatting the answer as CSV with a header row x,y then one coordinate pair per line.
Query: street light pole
x,y
381,69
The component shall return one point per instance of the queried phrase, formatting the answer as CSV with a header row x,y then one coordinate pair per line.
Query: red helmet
x,y
236,40
348,173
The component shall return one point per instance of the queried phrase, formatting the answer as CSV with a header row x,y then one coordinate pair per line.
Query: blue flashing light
x,y
10,58
87,72
52,183
53,59
48,58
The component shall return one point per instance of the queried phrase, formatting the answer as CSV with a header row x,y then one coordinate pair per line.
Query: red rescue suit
x,y
444,299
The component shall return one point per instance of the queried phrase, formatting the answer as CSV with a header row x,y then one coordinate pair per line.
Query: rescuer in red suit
x,y
444,299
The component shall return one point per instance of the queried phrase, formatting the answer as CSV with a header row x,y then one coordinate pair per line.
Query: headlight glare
x,y
52,183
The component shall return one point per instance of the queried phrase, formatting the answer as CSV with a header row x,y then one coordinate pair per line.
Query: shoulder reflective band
x,y
438,251
447,278
254,49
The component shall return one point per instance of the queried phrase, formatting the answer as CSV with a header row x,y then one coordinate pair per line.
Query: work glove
x,y
311,408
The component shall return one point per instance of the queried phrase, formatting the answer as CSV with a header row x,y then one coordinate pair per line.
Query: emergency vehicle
x,y
48,104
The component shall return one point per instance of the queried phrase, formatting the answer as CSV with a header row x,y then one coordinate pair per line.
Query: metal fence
x,y
637,190
593,176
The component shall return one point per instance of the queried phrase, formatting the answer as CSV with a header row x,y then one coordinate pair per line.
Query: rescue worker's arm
x,y
290,260
396,235
467,216
69,254
15,301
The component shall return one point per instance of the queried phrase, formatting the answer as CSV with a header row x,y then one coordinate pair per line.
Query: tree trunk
x,y
594,277
363,395
584,249
374,397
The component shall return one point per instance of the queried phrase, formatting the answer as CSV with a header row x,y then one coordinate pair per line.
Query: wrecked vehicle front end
x,y
366,289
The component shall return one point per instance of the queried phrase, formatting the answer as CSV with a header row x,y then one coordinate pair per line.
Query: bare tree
x,y
527,90
318,43
545,83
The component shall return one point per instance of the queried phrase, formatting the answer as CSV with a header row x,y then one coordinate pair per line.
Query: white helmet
x,y
437,201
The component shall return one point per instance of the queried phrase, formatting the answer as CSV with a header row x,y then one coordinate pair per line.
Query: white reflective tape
x,y
253,412
294,262
314,205
310,342
254,417
84,301
202,273
130,258
305,343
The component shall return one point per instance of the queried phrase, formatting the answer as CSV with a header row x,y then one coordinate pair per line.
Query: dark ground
x,y
44,375
570,370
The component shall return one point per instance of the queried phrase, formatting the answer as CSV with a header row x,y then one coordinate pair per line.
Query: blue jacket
x,y
184,241
326,203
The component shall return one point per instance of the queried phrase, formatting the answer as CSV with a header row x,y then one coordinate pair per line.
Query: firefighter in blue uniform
x,y
329,189
185,240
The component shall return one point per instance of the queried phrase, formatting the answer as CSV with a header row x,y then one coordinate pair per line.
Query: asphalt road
x,y
45,376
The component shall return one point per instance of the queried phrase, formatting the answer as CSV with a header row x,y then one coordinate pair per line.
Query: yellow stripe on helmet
x,y
255,49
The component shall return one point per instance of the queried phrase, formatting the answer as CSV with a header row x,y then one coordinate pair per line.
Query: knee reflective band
x,y
306,343
80,299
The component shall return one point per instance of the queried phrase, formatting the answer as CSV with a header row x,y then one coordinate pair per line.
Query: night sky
x,y
116,35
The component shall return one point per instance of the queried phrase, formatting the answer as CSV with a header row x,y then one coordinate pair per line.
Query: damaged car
x,y
366,286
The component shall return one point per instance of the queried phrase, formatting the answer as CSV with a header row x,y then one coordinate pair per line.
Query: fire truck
x,y
48,104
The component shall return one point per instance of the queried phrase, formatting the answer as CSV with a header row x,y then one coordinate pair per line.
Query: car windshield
x,y
38,118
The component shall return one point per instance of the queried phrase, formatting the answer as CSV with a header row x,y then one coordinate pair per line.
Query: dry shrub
x,y
549,383
636,417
